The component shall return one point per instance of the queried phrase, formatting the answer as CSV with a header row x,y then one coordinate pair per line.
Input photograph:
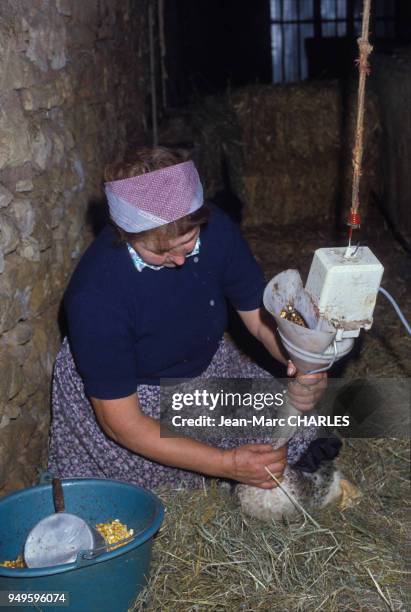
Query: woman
x,y
148,301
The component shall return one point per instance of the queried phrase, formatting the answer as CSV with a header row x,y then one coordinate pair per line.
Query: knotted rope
x,y
364,69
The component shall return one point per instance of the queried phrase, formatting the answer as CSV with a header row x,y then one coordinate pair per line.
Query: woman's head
x,y
169,241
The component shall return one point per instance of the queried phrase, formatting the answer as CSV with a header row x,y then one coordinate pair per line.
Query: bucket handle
x,y
44,477
86,557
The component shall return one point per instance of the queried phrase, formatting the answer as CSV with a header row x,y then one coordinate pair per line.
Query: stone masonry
x,y
73,91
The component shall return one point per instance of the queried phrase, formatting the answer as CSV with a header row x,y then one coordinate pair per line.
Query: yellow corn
x,y
112,531
19,562
291,314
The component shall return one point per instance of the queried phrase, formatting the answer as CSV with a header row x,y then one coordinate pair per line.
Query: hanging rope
x,y
364,70
152,73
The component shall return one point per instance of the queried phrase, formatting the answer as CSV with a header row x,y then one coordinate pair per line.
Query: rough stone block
x,y
66,85
21,354
15,289
21,334
59,149
22,212
14,143
11,175
33,374
43,97
20,446
4,421
5,197
47,42
12,411
44,290
41,147
18,403
29,249
17,380
17,71
42,231
22,186
9,234
11,379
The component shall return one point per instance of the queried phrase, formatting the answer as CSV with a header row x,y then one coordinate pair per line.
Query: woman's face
x,y
171,254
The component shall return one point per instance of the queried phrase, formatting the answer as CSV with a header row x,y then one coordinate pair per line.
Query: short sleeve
x,y
244,280
102,341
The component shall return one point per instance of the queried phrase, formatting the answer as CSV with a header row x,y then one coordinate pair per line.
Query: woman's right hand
x,y
247,464
124,422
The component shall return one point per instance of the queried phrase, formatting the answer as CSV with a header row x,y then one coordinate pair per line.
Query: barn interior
x,y
264,96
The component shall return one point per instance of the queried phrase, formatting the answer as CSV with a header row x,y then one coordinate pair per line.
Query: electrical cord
x,y
329,365
396,308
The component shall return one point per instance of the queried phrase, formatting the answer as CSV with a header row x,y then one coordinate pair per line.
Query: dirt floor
x,y
208,556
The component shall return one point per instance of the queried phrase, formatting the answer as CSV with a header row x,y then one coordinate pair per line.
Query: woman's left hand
x,y
306,390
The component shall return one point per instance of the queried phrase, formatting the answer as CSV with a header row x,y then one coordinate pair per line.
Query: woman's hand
x,y
125,423
247,464
306,390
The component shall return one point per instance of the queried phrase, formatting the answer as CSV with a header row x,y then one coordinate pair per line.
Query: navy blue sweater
x,y
128,327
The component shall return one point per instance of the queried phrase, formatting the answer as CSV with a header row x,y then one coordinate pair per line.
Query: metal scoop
x,y
58,538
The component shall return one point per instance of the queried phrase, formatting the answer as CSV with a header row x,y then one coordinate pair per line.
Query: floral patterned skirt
x,y
80,448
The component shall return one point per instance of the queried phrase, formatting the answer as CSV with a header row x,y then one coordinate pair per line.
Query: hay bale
x,y
284,150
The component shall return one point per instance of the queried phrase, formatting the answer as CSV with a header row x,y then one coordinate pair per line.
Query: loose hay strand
x,y
377,586
292,499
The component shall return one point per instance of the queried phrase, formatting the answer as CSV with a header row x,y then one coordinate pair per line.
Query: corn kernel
x,y
19,562
291,314
112,531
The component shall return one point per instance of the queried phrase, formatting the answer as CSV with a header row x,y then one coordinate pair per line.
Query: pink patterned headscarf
x,y
150,200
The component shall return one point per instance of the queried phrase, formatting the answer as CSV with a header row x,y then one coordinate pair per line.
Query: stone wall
x,y
72,91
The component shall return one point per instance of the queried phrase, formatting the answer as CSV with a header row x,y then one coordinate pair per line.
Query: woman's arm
x,y
123,421
307,389
262,326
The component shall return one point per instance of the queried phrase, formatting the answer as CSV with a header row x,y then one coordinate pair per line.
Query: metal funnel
x,y
309,348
